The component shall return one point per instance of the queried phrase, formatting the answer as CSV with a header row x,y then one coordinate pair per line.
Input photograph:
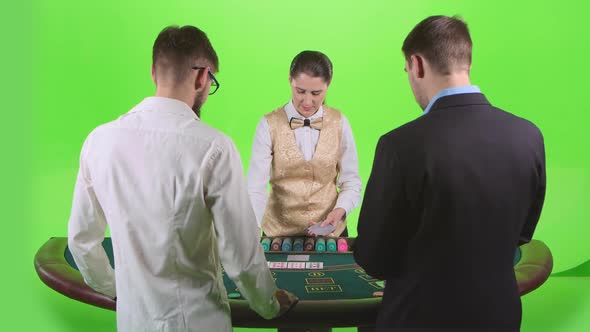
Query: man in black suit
x,y
451,196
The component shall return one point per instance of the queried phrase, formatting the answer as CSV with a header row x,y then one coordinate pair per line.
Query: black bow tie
x,y
295,123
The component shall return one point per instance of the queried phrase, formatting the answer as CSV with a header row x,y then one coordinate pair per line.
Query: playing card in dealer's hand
x,y
317,229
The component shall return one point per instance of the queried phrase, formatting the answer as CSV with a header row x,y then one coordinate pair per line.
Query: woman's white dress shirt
x,y
172,191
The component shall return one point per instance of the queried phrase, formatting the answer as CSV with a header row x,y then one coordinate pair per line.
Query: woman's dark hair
x,y
312,63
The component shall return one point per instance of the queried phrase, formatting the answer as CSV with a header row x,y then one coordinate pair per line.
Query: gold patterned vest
x,y
302,191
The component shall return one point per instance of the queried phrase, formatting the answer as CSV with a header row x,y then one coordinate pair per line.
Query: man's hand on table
x,y
287,301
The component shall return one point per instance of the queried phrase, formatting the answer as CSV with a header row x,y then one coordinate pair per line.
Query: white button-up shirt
x,y
349,182
172,191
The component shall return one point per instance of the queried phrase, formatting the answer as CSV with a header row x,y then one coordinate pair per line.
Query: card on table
x,y
277,265
297,258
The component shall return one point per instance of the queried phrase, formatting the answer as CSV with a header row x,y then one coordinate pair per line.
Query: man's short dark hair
x,y
177,49
312,63
443,41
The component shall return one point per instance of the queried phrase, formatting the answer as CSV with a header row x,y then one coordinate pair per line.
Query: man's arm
x,y
530,225
235,225
381,240
259,169
86,229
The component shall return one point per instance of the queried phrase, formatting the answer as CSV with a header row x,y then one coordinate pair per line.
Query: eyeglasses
x,y
214,85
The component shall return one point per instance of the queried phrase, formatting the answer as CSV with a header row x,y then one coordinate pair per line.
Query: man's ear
x,y
201,78
417,65
154,75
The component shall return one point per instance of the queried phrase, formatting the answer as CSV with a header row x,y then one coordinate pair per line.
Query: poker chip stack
x,y
331,245
287,244
276,244
309,244
320,245
298,244
266,244
342,245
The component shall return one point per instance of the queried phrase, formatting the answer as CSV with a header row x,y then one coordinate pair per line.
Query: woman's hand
x,y
334,218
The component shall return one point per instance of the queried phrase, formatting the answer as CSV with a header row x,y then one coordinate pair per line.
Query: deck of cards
x,y
317,229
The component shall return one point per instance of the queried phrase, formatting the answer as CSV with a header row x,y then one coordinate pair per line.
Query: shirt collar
x,y
292,112
451,91
167,105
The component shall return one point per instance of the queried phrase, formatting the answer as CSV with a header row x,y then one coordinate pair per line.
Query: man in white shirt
x,y
172,192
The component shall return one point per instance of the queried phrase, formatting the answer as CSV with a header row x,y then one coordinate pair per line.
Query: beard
x,y
199,100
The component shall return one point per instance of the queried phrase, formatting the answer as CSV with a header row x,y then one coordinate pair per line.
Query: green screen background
x,y
72,65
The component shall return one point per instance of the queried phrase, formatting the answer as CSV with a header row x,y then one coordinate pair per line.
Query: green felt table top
x,y
340,278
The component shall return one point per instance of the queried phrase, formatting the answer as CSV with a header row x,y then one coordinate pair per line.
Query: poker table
x,y
333,290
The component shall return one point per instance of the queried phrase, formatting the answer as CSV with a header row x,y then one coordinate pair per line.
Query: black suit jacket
x,y
450,197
